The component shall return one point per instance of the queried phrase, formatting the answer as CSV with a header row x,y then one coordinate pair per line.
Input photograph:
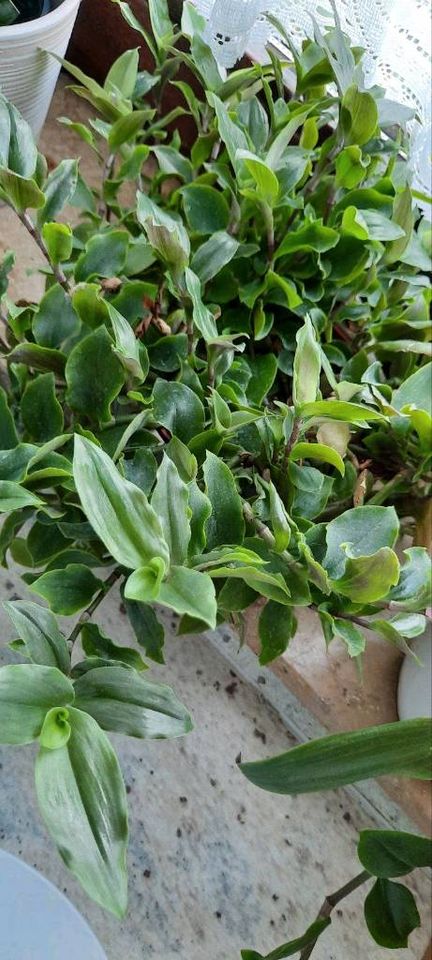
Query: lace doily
x,y
396,35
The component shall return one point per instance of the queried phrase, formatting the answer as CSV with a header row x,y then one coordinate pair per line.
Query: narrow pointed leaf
x,y
82,799
118,511
38,628
402,748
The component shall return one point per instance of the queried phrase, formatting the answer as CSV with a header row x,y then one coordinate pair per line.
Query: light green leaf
x,y
365,529
213,255
20,191
391,914
359,116
185,591
413,590
125,129
271,585
58,239
202,317
266,181
307,365
170,501
351,635
124,702
15,497
82,799
27,692
340,410
166,235
118,511
369,578
312,236
160,21
416,390
232,135
123,73
56,729
402,748
127,346
318,451
38,629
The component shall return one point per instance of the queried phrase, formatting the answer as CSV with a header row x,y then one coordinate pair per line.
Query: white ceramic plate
x,y
36,921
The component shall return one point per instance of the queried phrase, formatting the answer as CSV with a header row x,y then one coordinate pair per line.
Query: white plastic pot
x,y
415,681
36,920
28,74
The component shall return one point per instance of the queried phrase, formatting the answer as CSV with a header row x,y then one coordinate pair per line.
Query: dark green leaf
x,y
8,434
67,590
96,644
41,412
148,630
402,748
94,376
276,627
392,853
294,946
391,914
178,408
104,256
206,209
226,523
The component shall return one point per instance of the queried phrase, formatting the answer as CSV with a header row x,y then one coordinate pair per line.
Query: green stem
x,y
331,902
89,611
37,237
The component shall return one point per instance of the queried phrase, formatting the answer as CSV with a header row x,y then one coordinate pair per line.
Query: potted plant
x,y
28,30
220,397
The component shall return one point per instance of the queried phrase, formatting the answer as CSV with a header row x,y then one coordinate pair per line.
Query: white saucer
x,y
36,921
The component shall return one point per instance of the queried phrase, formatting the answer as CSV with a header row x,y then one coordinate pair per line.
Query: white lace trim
x,y
396,35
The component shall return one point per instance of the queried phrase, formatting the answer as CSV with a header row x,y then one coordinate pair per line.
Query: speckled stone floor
x,y
215,864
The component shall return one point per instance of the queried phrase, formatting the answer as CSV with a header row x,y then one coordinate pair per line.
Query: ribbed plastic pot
x,y
28,74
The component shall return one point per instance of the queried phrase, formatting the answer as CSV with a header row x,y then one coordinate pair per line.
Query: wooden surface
x,y
328,684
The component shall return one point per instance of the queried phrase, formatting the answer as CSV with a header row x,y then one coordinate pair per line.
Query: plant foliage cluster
x,y
222,395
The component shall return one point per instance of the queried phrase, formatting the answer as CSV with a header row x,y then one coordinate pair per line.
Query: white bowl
x,y
415,681
36,921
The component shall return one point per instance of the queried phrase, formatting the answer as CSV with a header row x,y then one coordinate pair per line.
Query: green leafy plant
x,y
19,11
222,395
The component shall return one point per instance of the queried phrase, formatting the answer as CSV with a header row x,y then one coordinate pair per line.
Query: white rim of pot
x,y
39,26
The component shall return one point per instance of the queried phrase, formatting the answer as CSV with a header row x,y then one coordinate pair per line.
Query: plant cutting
x,y
221,396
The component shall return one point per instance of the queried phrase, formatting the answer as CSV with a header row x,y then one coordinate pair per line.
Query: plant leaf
x,y
185,591
124,702
118,511
276,627
226,522
68,589
38,629
393,853
82,799
27,692
293,946
402,748
96,644
170,501
391,914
